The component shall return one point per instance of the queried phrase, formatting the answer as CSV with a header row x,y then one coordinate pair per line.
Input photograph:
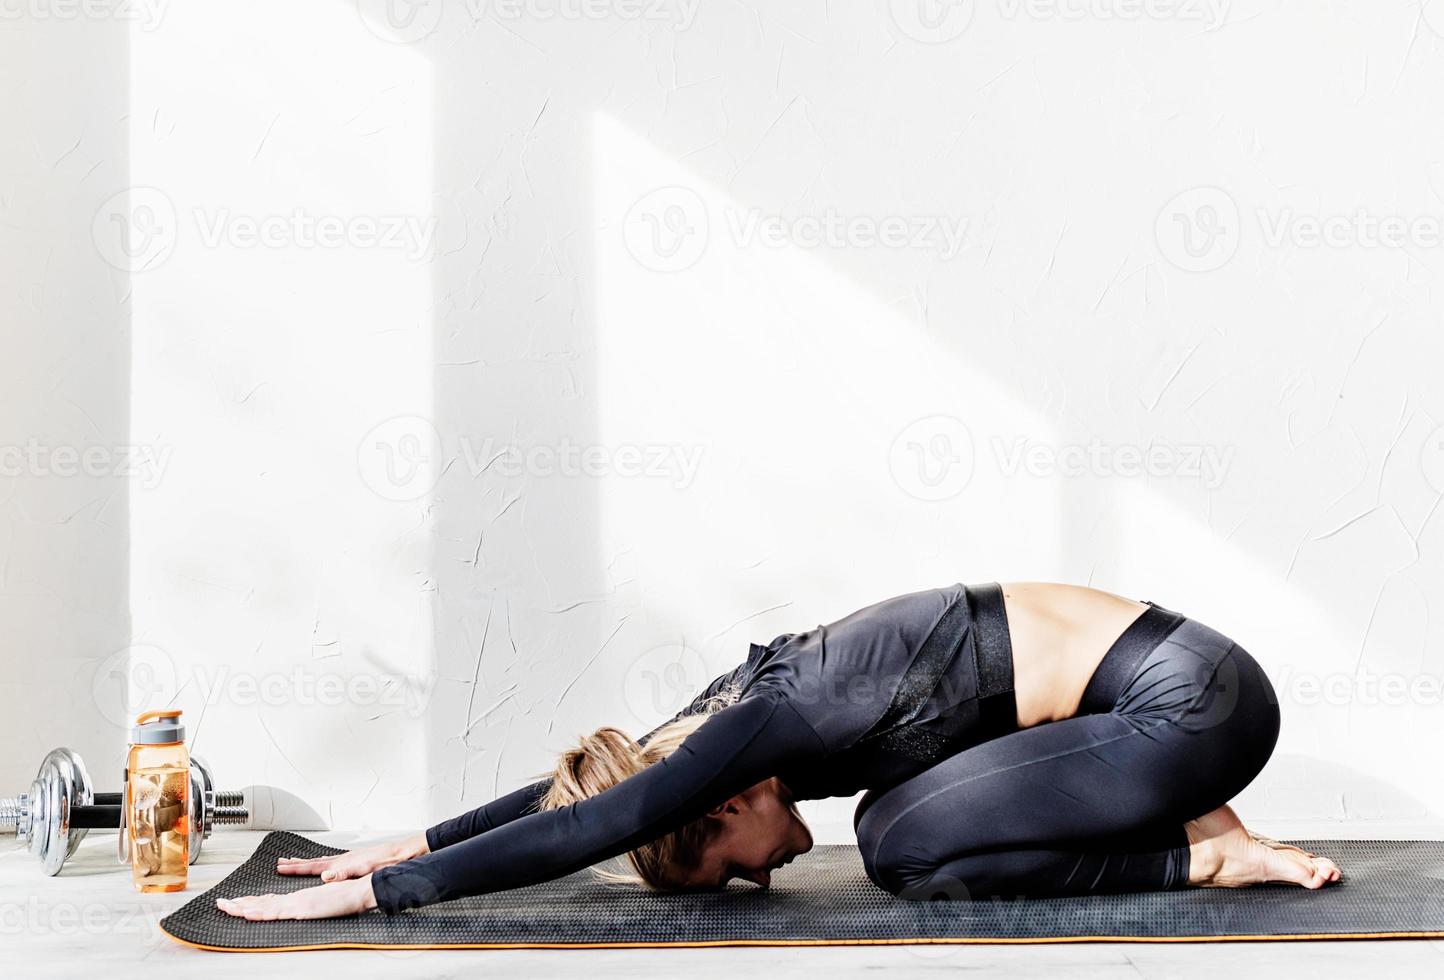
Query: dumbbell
x,y
61,807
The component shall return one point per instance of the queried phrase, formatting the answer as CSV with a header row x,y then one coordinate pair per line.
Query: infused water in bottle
x,y
157,805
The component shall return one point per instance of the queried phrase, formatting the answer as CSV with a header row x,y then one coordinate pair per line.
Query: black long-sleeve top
x,y
828,711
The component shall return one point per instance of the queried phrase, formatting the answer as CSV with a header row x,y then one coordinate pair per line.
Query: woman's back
x,y
1060,634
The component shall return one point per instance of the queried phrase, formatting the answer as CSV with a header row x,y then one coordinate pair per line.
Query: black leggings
x,y
1176,720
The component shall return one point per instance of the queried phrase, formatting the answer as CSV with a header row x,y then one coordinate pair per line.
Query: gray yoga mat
x,y
1391,888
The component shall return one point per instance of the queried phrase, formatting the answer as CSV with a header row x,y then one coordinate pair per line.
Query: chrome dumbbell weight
x,y
53,817
62,806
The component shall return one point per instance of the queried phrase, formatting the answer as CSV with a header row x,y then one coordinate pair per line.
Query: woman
x,y
1028,739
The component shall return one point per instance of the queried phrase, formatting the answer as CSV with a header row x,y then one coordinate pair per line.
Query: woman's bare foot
x,y
1224,854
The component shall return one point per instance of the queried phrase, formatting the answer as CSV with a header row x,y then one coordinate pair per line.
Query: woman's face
x,y
757,831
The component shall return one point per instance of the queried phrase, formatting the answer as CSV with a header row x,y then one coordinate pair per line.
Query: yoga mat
x,y
1391,889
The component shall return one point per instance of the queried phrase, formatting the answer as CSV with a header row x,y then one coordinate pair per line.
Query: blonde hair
x,y
609,755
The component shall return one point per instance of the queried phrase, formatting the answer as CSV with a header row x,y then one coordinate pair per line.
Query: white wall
x,y
602,246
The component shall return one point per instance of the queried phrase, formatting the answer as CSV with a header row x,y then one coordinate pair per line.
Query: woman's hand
x,y
322,902
357,863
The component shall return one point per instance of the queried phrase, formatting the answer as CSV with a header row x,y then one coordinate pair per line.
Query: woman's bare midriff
x,y
1059,635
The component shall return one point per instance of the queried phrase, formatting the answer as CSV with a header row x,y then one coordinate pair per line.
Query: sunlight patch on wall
x,y
808,434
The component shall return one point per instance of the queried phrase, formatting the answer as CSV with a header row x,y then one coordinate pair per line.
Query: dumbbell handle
x,y
230,806
104,814
99,817
11,811
95,817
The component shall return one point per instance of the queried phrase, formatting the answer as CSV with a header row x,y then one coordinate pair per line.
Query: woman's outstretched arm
x,y
739,746
734,749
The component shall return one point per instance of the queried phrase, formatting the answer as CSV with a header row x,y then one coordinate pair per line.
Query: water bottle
x,y
156,810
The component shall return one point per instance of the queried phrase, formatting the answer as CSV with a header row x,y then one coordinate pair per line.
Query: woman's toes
x,y
1288,866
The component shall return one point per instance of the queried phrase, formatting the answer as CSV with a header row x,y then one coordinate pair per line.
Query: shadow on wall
x,y
64,384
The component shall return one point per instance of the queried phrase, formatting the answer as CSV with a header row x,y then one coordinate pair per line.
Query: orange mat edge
x,y
945,941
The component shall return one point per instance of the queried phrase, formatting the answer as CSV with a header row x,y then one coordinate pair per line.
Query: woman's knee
x,y
1231,729
882,864
895,859
903,871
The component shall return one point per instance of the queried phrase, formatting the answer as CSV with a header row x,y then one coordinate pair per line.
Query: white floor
x,y
88,921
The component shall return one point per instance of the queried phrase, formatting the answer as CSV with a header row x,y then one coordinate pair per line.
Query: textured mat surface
x,y
1390,888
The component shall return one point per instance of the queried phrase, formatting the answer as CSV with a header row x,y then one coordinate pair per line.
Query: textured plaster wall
x,y
514,364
